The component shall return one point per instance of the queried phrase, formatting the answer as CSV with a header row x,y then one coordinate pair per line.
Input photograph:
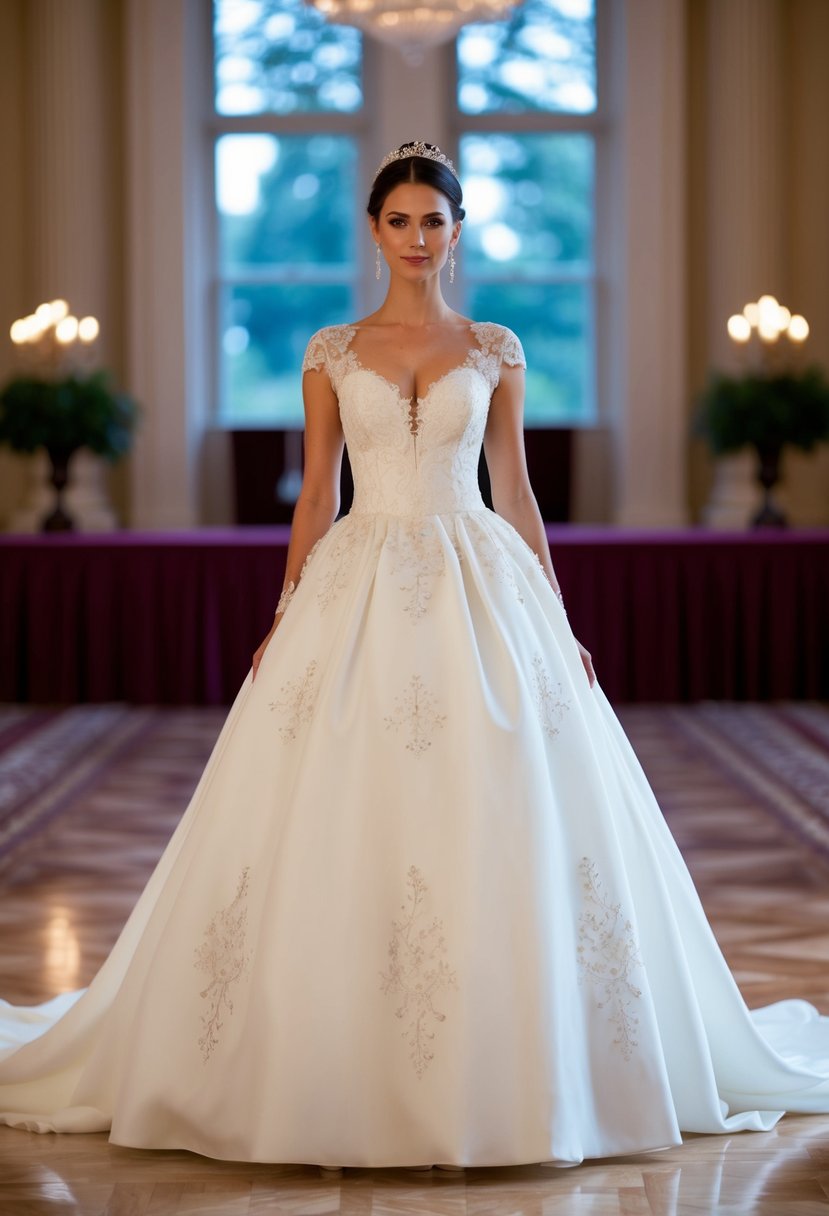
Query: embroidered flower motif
x,y
549,698
495,560
328,350
607,956
416,550
495,344
334,577
298,701
416,709
223,957
417,971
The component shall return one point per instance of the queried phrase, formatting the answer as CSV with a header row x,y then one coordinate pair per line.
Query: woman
x,y
423,907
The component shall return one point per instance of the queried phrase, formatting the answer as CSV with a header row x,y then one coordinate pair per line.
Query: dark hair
x,y
416,169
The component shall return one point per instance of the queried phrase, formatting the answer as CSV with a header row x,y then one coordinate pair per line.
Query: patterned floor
x,y
90,795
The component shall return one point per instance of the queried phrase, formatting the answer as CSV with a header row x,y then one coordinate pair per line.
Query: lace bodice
x,y
414,457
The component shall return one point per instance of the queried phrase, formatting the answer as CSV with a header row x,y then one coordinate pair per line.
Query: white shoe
x,y
330,1171
455,1169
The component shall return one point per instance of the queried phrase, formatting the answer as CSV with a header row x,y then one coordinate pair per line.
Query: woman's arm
x,y
319,498
512,494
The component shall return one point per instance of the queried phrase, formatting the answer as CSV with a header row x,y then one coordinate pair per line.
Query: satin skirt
x,y
422,906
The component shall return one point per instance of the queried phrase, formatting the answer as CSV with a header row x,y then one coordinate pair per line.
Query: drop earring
x,y
378,269
451,265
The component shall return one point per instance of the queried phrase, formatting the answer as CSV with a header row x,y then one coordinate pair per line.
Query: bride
x,y
422,906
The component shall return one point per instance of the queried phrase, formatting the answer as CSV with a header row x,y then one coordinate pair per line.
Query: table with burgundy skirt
x,y
173,617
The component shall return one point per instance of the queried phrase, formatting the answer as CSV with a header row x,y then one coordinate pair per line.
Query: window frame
x,y
359,125
536,122
356,124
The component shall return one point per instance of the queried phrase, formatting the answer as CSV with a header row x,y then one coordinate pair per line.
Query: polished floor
x,y
764,882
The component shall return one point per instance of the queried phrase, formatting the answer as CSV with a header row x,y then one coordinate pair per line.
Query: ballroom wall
x,y
717,191
62,215
758,194
13,295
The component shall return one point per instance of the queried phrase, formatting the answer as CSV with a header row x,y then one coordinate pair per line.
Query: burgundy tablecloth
x,y
172,618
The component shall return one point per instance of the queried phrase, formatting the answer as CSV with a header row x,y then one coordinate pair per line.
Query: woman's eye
x,y
396,223
436,223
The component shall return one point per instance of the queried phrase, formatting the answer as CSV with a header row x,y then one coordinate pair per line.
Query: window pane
x,y
282,57
554,323
527,248
286,200
542,57
263,333
529,201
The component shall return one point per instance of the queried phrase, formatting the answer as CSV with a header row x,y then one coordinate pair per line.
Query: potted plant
x,y
62,409
766,407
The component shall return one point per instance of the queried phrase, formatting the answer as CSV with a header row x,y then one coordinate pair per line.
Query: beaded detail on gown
x,y
422,906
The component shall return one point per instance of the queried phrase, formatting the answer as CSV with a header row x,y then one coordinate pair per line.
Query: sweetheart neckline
x,y
413,400
414,412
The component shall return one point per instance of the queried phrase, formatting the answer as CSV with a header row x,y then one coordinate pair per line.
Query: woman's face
x,y
415,230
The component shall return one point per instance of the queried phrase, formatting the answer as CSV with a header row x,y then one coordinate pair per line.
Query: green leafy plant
x,y
63,415
767,412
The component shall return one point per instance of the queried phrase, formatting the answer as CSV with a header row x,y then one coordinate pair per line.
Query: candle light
x,y
798,328
739,328
66,331
47,338
768,328
770,320
88,329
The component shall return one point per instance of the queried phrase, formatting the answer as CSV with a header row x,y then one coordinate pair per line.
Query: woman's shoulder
x,y
499,340
332,333
331,340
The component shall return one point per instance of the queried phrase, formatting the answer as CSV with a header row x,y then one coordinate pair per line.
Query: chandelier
x,y
412,25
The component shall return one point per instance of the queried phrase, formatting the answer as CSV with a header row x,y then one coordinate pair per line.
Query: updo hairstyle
x,y
423,171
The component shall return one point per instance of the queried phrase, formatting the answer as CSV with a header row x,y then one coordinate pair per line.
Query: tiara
x,y
416,148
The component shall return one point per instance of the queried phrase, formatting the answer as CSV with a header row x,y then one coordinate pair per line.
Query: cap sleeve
x,y
316,355
512,352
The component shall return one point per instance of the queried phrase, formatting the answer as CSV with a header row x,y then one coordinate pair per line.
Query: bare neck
x,y
414,305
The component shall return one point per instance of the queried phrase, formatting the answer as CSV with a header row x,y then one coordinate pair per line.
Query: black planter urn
x,y
58,520
768,475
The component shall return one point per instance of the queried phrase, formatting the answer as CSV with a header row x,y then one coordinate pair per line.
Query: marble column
x,y
72,238
745,198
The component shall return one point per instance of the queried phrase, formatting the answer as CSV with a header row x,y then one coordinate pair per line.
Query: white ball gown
x,y
423,906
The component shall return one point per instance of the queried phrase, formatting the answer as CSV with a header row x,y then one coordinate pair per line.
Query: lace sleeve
x,y
316,355
512,352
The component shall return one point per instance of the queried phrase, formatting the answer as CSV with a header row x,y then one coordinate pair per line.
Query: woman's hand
x,y
588,663
258,654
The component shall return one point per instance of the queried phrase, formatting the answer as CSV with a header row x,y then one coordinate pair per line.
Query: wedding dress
x,y
423,906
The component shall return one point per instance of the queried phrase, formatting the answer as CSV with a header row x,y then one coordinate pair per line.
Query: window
x,y
281,57
528,238
290,121
286,207
541,59
286,197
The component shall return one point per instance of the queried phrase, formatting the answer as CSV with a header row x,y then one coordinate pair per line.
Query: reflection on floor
x,y
756,850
